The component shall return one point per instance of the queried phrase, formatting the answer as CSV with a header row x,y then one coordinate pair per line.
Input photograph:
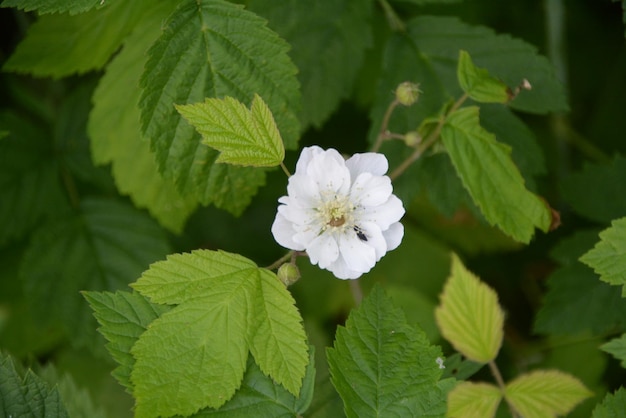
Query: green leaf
x,y
478,84
381,366
613,405
617,348
328,41
275,333
27,396
474,400
242,136
576,301
30,189
61,45
511,60
102,246
54,6
491,177
469,315
226,306
123,317
607,258
262,397
545,393
214,49
115,130
591,192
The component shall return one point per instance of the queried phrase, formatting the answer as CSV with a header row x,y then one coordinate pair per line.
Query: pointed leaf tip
x,y
478,84
469,315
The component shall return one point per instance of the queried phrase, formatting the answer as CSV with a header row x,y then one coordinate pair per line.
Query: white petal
x,y
305,157
358,255
383,215
369,190
394,235
330,173
341,270
323,250
375,238
369,162
297,216
283,233
303,191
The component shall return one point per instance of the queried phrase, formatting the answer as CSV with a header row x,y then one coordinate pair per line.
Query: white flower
x,y
343,213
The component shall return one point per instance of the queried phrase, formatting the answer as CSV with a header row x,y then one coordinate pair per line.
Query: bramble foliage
x,y
139,151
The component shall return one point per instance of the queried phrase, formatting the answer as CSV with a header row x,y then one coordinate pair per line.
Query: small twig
x,y
395,22
383,134
285,170
357,292
281,260
496,374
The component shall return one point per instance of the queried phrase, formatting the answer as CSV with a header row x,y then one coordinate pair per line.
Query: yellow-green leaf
x,y
473,400
469,315
545,393
247,137
478,83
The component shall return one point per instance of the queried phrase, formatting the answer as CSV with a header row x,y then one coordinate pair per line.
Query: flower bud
x,y
412,138
407,93
288,274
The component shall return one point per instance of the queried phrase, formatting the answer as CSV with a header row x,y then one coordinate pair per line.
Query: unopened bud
x,y
288,274
407,93
412,138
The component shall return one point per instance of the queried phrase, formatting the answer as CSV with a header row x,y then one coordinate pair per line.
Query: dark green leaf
x,y
123,317
214,49
60,45
27,396
613,405
55,6
592,191
102,246
381,366
328,39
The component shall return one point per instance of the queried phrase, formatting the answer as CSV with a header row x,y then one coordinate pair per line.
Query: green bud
x,y
407,93
412,138
288,274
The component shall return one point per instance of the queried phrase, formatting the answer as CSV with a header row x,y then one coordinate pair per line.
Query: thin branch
x,y
382,134
357,292
281,260
285,170
496,374
395,22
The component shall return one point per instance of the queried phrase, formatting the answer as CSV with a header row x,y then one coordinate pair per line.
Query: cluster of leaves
x,y
196,102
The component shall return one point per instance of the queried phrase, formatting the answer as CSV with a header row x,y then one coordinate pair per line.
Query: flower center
x,y
336,213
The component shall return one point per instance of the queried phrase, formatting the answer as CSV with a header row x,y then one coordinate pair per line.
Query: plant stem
x,y
357,292
431,139
382,134
285,170
396,24
496,374
281,260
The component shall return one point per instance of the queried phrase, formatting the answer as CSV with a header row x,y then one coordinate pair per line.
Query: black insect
x,y
360,234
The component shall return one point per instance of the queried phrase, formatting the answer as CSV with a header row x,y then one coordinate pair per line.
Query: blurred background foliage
x,y
558,313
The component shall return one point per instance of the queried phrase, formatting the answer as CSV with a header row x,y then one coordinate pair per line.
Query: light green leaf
x,y
469,315
60,45
226,306
491,177
102,246
195,355
28,395
242,136
613,405
123,317
260,396
276,334
214,48
546,394
30,189
55,6
115,130
617,348
328,41
473,400
478,84
381,366
608,257
511,60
